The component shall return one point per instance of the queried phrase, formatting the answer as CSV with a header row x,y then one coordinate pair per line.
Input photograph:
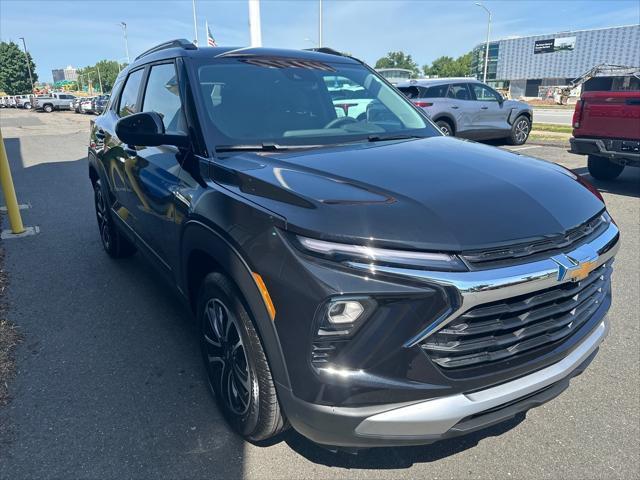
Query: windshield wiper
x,y
262,147
382,138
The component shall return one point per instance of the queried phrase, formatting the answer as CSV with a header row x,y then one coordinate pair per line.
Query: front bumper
x,y
404,399
428,421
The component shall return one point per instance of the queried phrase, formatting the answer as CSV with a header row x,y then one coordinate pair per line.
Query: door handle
x,y
185,199
484,108
455,107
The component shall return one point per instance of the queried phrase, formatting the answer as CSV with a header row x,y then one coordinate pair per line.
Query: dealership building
x,y
526,66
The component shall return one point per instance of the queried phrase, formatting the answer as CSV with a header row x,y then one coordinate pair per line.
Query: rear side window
x,y
437,91
459,91
129,97
163,97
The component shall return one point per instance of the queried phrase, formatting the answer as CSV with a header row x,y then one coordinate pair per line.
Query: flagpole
x,y
195,22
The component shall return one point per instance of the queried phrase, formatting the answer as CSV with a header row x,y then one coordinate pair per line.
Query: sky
x,y
81,32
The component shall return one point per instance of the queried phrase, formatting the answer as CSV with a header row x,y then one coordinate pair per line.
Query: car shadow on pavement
x,y
110,380
394,457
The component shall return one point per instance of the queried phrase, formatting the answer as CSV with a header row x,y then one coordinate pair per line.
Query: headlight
x,y
343,252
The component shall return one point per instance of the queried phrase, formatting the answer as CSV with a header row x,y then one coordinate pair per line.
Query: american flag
x,y
210,40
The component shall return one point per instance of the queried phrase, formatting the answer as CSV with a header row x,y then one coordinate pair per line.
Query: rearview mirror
x,y
146,129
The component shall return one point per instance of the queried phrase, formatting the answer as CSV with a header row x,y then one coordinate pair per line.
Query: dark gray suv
x,y
467,108
366,280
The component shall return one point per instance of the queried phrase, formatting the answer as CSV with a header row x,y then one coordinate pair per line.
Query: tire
x,y
48,108
446,128
235,362
520,131
603,169
27,106
113,240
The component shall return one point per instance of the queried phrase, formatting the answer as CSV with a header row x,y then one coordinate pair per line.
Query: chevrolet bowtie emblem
x,y
577,265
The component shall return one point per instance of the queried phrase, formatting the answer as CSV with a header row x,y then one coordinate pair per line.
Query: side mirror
x,y
146,129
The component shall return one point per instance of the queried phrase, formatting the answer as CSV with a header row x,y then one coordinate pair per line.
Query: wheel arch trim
x,y
197,236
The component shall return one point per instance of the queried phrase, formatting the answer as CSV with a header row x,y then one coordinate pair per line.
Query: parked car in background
x,y
11,101
75,104
86,105
606,126
349,99
3,101
368,281
100,103
54,101
465,107
24,101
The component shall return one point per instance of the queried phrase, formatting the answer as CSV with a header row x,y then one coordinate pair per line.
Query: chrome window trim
x,y
486,286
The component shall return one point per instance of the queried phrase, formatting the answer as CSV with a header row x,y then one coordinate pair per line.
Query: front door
x,y
489,112
157,170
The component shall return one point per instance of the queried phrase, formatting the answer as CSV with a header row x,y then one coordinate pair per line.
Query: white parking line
x,y
518,149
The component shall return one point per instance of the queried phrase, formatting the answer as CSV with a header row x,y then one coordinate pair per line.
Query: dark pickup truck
x,y
606,127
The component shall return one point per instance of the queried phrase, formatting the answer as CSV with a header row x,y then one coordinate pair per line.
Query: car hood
x,y
435,194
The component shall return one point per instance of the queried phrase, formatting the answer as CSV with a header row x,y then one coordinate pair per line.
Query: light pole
x,y
99,80
26,57
195,23
126,41
486,50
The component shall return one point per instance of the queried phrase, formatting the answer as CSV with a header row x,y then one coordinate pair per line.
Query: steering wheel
x,y
338,122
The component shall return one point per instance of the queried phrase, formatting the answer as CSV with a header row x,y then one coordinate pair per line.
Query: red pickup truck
x,y
606,127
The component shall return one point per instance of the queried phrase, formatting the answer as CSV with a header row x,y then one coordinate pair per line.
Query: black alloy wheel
x,y
238,372
113,241
226,359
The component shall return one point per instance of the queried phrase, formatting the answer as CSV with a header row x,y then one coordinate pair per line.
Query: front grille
x,y
547,246
507,328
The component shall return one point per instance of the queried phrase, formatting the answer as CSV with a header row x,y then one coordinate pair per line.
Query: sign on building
x,y
554,45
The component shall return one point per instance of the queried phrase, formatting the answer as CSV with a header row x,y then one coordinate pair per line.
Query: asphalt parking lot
x,y
110,385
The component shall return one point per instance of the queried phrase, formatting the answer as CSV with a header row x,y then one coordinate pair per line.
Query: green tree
x,y
14,75
449,67
398,60
109,70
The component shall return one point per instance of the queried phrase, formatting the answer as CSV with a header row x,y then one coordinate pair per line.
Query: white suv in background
x,y
467,108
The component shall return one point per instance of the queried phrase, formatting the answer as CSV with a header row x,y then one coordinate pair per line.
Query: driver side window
x,y
163,97
483,93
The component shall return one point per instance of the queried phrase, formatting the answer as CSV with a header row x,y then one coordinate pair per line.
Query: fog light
x,y
344,311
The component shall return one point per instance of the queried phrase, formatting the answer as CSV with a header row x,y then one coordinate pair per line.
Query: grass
x,y
549,138
548,127
9,338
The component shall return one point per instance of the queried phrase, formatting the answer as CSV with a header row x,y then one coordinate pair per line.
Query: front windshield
x,y
283,101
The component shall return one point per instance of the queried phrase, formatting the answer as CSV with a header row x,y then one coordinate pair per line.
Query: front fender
x,y
198,236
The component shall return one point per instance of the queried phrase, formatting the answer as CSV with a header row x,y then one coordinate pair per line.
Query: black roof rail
x,y
331,51
327,50
178,43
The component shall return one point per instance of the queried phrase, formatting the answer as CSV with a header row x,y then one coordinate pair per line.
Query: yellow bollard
x,y
15,220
